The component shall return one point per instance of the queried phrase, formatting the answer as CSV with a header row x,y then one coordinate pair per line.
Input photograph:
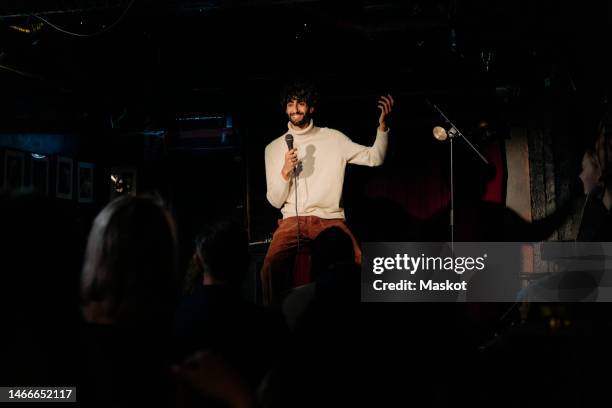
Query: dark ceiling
x,y
157,59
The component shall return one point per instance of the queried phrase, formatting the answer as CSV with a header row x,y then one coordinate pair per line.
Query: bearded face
x,y
299,113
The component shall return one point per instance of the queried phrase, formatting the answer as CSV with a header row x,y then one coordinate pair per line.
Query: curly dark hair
x,y
301,91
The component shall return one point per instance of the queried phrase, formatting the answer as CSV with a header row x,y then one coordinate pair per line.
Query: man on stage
x,y
315,167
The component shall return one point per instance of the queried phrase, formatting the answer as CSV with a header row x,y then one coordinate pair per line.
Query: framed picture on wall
x,y
14,165
63,180
123,181
39,170
85,182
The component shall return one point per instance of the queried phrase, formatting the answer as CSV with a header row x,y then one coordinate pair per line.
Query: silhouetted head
x,y
331,247
591,172
39,259
129,272
222,252
602,151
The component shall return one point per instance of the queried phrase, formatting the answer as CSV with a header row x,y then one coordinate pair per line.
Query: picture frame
x,y
39,174
85,182
123,180
63,179
14,170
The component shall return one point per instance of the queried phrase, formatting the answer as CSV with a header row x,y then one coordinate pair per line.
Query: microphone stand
x,y
452,133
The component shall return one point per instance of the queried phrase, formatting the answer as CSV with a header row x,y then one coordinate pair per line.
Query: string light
x,y
86,35
33,29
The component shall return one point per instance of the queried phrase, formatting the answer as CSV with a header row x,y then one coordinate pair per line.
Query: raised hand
x,y
385,104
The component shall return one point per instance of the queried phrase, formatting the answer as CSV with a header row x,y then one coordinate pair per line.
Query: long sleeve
x,y
277,186
355,153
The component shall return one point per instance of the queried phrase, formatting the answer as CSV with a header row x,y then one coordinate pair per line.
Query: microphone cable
x,y
289,141
297,217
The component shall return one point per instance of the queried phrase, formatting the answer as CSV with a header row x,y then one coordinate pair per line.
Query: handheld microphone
x,y
289,140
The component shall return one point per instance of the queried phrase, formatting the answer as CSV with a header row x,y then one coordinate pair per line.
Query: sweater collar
x,y
300,132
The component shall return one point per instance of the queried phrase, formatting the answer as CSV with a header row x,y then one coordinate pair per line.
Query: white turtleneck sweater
x,y
323,154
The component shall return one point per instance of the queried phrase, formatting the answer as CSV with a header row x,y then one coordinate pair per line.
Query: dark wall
x,y
509,63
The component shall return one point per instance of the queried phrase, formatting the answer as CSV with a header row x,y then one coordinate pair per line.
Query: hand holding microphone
x,y
291,159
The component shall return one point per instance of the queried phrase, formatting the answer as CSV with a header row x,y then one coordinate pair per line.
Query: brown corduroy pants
x,y
277,269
